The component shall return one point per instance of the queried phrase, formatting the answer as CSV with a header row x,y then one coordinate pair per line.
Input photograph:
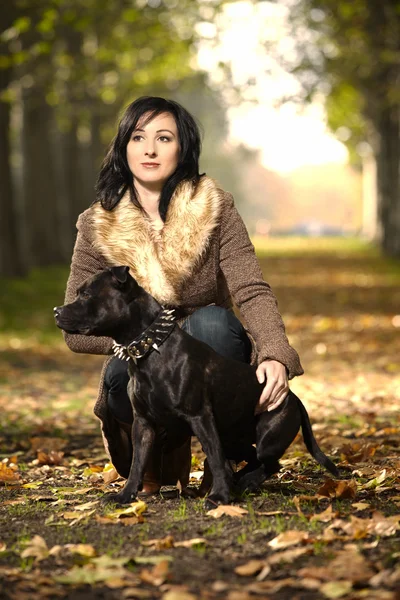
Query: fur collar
x,y
124,237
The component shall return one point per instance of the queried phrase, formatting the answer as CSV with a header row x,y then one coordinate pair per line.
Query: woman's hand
x,y
276,388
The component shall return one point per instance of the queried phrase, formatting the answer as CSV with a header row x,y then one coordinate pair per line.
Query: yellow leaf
x,y
135,508
33,486
336,589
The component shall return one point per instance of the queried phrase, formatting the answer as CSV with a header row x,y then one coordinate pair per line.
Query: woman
x,y
186,244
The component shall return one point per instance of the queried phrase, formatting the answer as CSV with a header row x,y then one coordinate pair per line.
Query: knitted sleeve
x,y
252,295
86,261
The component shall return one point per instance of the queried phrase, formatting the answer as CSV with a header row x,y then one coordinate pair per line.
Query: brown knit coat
x,y
204,257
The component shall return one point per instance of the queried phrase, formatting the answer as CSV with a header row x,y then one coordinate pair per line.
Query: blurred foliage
x,y
93,55
348,52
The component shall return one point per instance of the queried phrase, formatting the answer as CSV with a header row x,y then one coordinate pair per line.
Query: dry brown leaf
x,y
52,458
109,475
86,505
348,565
288,538
338,489
135,593
361,506
176,594
325,516
8,475
46,444
157,575
13,502
250,568
227,509
287,556
37,548
160,543
190,543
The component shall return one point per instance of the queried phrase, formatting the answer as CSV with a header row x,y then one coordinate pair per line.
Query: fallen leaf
x,y
178,595
361,506
47,444
287,556
87,505
135,592
250,568
376,482
288,538
336,589
51,458
338,489
152,560
135,508
190,543
81,549
227,509
33,485
37,548
109,474
158,574
161,543
325,516
7,474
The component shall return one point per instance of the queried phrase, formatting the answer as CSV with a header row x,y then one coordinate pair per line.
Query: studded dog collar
x,y
150,339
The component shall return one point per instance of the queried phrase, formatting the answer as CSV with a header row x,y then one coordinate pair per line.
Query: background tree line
x,y
348,52
67,68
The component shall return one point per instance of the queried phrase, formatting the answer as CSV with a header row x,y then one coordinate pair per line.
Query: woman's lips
x,y
150,165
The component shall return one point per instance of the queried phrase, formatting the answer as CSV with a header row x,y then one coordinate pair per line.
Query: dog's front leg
x,y
143,435
203,426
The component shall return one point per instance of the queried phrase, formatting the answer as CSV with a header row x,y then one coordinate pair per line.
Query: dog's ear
x,y
121,274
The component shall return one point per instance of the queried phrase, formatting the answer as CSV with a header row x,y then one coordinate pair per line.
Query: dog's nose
x,y
56,311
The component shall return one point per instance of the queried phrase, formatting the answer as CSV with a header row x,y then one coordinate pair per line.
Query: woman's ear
x,y
121,274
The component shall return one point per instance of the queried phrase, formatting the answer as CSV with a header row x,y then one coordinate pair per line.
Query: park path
x,y
341,310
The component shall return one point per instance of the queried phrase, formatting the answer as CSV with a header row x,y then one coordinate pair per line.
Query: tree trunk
x,y
388,171
11,262
39,182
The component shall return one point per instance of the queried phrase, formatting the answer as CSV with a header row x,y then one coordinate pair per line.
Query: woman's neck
x,y
149,199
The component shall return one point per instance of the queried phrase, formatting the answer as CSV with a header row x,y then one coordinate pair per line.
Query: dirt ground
x,y
304,536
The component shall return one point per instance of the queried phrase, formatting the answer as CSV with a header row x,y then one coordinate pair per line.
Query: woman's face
x,y
153,150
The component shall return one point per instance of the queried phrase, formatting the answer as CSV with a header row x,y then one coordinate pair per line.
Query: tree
x,y
69,68
349,51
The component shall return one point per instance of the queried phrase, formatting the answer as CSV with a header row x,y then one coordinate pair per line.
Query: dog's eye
x,y
85,295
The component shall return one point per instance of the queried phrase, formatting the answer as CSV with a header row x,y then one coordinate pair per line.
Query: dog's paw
x,y
120,498
215,500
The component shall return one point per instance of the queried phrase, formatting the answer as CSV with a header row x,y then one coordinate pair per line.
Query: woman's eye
x,y
136,138
164,138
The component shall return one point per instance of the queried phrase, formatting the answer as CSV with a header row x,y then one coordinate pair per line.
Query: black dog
x,y
180,386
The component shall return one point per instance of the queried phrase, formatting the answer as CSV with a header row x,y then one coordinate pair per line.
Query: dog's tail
x,y
311,442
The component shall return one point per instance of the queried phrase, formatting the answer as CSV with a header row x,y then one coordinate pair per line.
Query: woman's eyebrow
x,y
158,130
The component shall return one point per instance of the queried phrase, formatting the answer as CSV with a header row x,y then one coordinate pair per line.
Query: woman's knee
x,y
220,329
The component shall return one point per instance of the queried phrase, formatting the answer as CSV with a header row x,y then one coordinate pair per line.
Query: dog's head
x,y
103,304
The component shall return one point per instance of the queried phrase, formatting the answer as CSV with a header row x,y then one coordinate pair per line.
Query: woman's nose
x,y
150,149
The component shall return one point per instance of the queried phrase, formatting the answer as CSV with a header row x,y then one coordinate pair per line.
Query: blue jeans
x,y
216,326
